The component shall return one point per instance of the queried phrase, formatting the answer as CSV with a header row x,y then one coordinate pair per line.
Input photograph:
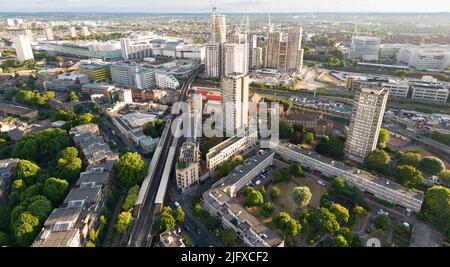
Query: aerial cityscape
x,y
224,123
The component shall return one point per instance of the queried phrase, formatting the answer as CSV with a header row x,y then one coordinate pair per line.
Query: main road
x,y
142,231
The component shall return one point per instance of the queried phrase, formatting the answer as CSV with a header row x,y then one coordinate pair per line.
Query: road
x,y
143,229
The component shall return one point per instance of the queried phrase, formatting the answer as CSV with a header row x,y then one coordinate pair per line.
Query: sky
x,y
224,6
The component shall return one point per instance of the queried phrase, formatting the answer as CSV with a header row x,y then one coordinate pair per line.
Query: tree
x,y
381,222
287,224
228,237
445,176
280,175
4,219
41,146
383,138
41,209
267,209
154,128
409,158
26,171
167,221
131,198
301,196
341,213
432,165
436,206
198,211
323,221
55,190
224,169
73,96
323,148
212,223
25,228
296,169
408,176
336,147
254,198
275,192
68,165
237,159
123,222
4,239
131,170
31,191
359,211
78,109
338,183
179,215
339,241
309,138
377,160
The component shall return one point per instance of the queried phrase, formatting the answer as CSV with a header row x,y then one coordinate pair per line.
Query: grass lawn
x,y
383,236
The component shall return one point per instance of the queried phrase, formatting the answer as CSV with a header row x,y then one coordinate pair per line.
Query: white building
x,y
218,27
212,60
227,149
365,122
166,80
125,95
294,53
365,48
257,59
234,59
188,166
235,95
85,31
429,89
219,201
72,32
49,34
29,35
23,48
425,57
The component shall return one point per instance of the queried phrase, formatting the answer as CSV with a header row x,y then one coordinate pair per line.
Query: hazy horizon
x,y
225,6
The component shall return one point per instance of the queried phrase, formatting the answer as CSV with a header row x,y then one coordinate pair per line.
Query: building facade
x,y
365,123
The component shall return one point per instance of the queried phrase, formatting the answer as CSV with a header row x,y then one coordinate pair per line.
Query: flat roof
x,y
361,173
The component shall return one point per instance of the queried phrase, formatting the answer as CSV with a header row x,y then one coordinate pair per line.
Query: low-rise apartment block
x,y
227,149
363,181
219,201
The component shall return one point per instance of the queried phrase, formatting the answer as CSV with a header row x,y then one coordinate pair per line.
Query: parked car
x,y
177,204
322,183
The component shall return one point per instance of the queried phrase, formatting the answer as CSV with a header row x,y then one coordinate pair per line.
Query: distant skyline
x,y
251,6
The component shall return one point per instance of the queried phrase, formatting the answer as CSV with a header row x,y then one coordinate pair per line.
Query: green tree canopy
x,y
377,160
301,195
275,192
409,158
287,224
179,215
41,209
381,222
68,164
280,175
296,169
131,170
341,213
436,205
253,198
336,147
26,171
267,209
41,146
432,165
154,128
131,198
55,190
323,221
123,222
25,229
309,138
383,138
359,211
408,176
445,177
167,221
